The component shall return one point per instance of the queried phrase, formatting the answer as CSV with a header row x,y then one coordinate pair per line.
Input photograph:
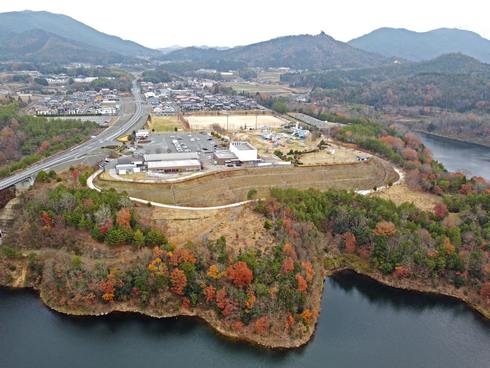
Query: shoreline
x,y
275,343
204,318
459,140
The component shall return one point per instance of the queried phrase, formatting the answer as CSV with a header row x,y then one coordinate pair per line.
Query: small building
x,y
129,165
223,157
244,151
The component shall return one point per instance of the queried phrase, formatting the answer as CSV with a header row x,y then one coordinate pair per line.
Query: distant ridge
x,y
317,52
417,46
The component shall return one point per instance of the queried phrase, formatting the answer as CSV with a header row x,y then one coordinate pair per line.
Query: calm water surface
x,y
362,324
471,159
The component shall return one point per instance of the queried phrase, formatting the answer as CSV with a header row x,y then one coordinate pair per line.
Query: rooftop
x,y
225,154
243,146
173,164
171,156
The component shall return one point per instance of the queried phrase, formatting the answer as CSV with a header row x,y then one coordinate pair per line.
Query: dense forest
x,y
27,139
157,76
448,248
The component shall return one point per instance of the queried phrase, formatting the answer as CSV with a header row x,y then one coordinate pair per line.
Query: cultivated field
x,y
232,186
233,122
165,123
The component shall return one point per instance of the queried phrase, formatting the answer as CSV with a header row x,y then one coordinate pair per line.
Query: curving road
x,y
91,185
103,139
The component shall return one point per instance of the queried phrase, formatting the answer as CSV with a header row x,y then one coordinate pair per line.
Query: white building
x,y
244,151
142,133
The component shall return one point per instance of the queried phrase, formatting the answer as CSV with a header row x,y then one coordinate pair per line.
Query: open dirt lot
x,y
242,227
402,193
334,154
233,122
233,185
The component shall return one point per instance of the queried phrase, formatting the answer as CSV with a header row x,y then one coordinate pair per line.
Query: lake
x,y
471,159
362,324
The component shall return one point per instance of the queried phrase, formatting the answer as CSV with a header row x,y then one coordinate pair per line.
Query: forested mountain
x,y
417,46
455,81
299,52
40,46
48,37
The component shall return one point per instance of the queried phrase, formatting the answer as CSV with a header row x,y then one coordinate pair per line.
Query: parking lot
x,y
180,142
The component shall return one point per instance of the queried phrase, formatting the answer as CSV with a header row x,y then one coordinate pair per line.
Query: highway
x,y
105,138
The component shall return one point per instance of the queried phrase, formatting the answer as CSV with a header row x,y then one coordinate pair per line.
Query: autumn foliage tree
x,y
123,217
237,326
287,265
108,287
261,325
221,298
350,243
288,250
46,219
402,271
302,284
213,272
178,281
239,274
384,228
440,210
307,315
181,255
210,293
307,268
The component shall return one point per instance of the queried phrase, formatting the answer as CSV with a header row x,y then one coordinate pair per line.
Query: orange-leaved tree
x,y
178,281
384,228
239,274
123,217
302,285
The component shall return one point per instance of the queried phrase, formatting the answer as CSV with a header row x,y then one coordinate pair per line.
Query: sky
x,y
231,23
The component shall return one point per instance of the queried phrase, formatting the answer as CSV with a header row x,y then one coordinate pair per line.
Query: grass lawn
x,y
165,123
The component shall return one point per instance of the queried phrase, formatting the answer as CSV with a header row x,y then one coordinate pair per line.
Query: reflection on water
x,y
471,159
398,299
361,321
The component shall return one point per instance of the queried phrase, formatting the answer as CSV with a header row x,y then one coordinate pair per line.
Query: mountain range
x,y
417,46
47,37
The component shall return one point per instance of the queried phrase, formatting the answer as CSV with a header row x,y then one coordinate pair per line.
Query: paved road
x,y
103,139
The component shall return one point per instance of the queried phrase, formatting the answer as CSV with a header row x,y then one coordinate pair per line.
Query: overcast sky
x,y
229,23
